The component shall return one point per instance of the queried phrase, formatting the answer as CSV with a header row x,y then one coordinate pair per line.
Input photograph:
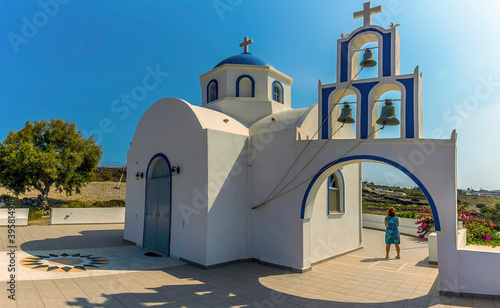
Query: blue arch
x,y
238,85
216,90
343,194
282,91
145,194
437,224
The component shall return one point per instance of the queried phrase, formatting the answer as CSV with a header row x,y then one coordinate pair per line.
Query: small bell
x,y
368,59
388,115
346,115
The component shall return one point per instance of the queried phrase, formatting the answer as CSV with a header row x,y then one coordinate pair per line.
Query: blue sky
x,y
72,60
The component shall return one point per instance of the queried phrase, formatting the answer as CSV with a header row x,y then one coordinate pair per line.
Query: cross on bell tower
x,y
245,44
366,13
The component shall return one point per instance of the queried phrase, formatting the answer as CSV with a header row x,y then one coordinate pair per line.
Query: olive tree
x,y
45,154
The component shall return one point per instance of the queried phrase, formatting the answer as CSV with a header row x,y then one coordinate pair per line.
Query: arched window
x,y
278,91
335,201
245,86
212,91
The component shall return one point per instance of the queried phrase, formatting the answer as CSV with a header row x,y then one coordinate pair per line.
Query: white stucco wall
x,y
66,216
227,197
263,76
21,217
276,229
334,234
479,272
179,131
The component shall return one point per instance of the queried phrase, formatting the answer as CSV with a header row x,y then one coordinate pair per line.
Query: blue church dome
x,y
244,58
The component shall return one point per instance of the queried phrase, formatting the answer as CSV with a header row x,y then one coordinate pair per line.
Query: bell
x,y
346,115
368,59
388,115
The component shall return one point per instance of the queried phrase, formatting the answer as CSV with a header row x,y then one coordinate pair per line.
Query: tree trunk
x,y
45,191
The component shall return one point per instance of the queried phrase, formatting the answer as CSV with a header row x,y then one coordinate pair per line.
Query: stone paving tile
x,y
360,279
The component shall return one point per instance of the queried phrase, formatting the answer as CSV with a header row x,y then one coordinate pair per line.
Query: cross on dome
x,y
366,13
245,44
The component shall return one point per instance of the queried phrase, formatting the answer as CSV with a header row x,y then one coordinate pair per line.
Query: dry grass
x,y
95,191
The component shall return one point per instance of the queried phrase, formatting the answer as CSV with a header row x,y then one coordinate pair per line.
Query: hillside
x,y
377,199
94,191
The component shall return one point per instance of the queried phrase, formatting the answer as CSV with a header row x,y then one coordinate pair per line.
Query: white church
x,y
245,177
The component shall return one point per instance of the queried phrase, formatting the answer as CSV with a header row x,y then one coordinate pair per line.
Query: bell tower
x,y
368,91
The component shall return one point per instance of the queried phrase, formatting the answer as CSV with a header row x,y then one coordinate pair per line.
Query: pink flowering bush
x,y
479,230
425,222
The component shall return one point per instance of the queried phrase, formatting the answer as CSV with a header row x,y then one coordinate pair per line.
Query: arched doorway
x,y
158,205
322,175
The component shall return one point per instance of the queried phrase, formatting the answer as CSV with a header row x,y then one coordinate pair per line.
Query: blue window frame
x,y
278,89
336,204
212,91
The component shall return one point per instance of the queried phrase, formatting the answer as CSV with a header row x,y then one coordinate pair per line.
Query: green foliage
x,y
47,153
76,204
34,213
5,196
108,176
87,204
109,203
415,199
425,222
493,215
409,214
480,231
480,205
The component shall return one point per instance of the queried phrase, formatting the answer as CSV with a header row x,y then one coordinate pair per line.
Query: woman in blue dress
x,y
391,232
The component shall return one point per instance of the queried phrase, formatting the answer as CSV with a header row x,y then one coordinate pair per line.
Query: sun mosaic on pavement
x,y
64,262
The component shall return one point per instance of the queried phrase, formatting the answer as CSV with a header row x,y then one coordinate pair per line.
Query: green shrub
x,y
480,205
415,199
34,213
109,203
5,196
485,209
410,214
108,176
77,204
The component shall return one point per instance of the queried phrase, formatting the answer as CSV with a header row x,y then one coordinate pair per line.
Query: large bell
x,y
346,115
368,59
388,115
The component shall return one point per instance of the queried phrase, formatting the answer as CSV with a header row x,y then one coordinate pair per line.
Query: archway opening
x,y
394,98
329,234
348,131
367,72
339,97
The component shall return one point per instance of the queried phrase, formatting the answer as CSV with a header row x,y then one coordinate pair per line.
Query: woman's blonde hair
x,y
391,212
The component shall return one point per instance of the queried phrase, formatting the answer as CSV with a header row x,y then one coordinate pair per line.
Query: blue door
x,y
158,206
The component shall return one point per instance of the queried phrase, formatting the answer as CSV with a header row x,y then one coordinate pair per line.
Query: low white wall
x,y
406,225
433,247
21,217
87,215
462,238
479,271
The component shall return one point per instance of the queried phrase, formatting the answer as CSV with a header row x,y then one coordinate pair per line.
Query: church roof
x,y
244,58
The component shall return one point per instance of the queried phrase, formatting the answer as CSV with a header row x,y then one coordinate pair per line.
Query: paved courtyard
x,y
90,266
